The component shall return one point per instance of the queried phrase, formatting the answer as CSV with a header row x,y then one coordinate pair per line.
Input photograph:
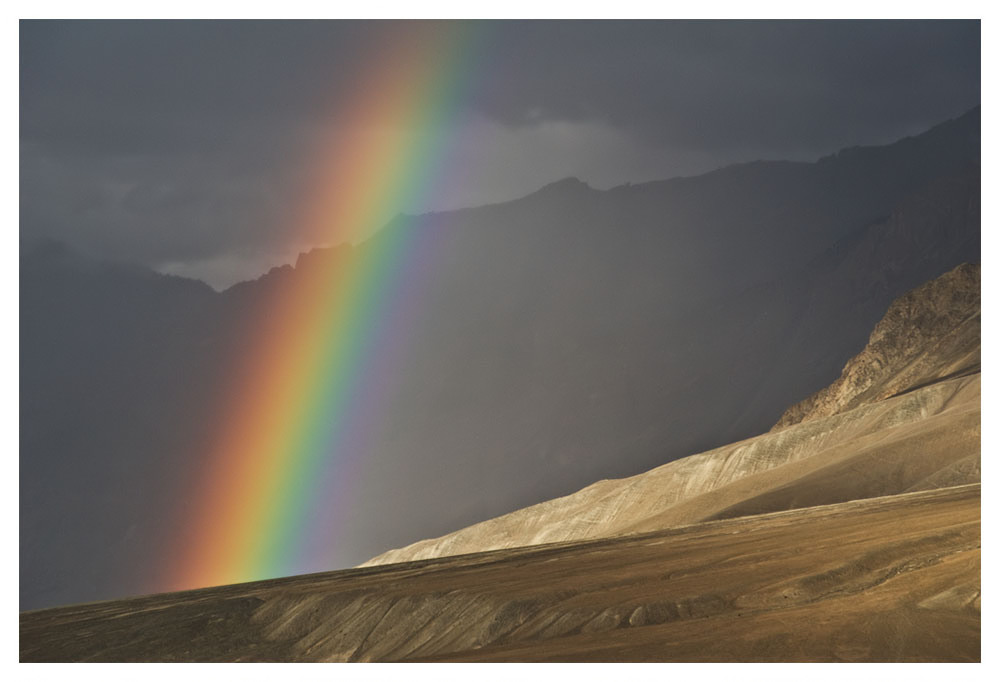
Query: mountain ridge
x,y
575,184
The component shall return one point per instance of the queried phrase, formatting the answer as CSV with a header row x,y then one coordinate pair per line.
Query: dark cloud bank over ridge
x,y
180,145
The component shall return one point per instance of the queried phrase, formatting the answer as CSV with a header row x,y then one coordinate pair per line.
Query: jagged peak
x,y
566,185
927,334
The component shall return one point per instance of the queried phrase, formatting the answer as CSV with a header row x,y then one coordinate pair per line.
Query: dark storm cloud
x,y
177,141
724,85
132,84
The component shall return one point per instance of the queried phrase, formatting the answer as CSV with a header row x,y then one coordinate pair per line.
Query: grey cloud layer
x,y
174,141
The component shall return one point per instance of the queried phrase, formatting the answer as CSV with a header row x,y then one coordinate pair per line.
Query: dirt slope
x,y
887,579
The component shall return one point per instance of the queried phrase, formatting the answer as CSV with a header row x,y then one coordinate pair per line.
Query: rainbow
x,y
277,479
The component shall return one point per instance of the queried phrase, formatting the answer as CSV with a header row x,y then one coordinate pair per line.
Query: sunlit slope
x,y
893,423
926,438
928,334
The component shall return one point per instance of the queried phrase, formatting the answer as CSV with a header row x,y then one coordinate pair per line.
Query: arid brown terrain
x,y
885,579
850,532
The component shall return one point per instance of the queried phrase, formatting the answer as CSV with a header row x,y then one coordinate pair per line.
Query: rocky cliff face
x,y
927,334
905,416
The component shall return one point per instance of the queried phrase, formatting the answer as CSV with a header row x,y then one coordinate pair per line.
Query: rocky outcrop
x,y
930,333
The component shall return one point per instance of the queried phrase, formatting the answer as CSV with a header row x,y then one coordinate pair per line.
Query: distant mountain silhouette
x,y
568,336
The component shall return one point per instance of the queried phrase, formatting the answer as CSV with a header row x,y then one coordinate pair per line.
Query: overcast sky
x,y
186,145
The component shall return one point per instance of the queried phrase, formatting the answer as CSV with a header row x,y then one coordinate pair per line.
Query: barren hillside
x,y
904,416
